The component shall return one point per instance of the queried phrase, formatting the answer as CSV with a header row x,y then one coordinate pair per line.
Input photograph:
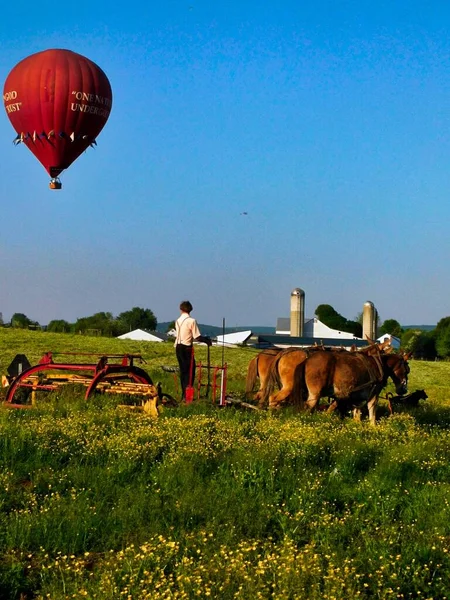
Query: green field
x,y
98,502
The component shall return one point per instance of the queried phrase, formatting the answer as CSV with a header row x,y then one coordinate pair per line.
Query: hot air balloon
x,y
58,102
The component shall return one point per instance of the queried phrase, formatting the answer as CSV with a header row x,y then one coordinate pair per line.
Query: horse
x,y
282,374
352,379
259,367
283,371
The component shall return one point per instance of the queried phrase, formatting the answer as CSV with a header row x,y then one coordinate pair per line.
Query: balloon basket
x,y
55,184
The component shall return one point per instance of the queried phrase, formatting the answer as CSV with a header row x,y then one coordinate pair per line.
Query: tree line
x,y
427,345
101,323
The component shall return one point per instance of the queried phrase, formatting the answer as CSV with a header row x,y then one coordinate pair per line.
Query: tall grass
x,y
97,502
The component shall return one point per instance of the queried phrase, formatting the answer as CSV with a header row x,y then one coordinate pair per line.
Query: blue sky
x,y
328,123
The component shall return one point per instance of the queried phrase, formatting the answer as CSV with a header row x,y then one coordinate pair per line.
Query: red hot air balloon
x,y
58,102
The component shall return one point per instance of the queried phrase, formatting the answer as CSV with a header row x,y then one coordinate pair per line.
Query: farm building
x,y
233,339
300,332
141,335
313,328
395,342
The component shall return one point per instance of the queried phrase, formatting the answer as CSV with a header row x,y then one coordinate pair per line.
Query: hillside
x,y
421,327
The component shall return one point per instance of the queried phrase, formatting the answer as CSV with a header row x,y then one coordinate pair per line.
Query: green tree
x,y
442,336
20,321
392,327
330,317
426,348
59,326
442,325
410,340
101,323
136,318
422,344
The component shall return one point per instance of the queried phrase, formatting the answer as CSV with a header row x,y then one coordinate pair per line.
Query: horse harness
x,y
376,372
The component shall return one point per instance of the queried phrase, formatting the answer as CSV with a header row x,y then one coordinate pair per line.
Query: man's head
x,y
186,306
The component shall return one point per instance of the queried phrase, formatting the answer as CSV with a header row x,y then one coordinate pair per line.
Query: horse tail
x,y
272,379
252,374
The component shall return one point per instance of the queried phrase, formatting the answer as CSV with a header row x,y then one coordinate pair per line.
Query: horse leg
x,y
357,414
259,396
372,405
312,401
276,399
333,406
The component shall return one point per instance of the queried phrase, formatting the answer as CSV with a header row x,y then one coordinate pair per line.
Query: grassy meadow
x,y
97,502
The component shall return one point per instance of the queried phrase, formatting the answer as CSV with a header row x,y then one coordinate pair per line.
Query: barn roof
x,y
287,341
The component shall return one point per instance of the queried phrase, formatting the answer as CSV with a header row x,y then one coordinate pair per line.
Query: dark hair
x,y
186,306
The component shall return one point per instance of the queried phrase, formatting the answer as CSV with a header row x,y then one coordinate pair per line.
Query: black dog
x,y
408,400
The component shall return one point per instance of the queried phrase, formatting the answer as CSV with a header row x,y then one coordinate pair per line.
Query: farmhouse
x,y
395,341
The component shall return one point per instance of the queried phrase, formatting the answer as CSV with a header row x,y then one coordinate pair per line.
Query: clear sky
x,y
327,122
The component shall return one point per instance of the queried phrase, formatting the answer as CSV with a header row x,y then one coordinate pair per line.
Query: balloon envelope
x,y
58,102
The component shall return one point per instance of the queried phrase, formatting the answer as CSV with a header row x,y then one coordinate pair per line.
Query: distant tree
x,y
422,344
59,326
136,318
427,346
442,325
1,319
20,321
354,327
392,327
330,317
101,323
442,337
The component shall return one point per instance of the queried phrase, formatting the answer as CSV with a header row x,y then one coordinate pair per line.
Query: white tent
x,y
141,336
231,339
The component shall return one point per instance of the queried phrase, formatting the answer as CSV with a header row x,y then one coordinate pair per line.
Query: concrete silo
x,y
297,312
370,317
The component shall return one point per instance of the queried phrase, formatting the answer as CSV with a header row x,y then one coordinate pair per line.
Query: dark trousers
x,y
185,354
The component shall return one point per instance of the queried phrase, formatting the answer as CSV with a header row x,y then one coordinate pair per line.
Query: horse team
x,y
351,380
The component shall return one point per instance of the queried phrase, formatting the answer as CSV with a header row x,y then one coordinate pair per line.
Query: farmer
x,y
187,332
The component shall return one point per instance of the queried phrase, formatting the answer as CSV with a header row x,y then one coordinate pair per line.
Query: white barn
x,y
313,328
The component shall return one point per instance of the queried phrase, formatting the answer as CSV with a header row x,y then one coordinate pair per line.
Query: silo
x,y
297,312
369,320
375,324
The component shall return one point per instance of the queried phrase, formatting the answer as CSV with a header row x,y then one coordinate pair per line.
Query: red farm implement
x,y
109,374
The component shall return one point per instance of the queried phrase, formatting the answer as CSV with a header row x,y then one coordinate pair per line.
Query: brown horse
x,y
259,367
282,374
352,379
283,369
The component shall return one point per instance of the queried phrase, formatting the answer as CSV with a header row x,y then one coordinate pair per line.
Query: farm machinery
x,y
107,374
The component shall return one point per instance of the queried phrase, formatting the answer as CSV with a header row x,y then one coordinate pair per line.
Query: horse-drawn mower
x,y
108,374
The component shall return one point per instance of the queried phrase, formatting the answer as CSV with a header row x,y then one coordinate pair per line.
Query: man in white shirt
x,y
187,332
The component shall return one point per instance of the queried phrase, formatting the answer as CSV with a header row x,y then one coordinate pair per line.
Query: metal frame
x,y
102,374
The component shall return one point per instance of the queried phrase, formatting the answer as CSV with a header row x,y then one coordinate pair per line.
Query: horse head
x,y
396,367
